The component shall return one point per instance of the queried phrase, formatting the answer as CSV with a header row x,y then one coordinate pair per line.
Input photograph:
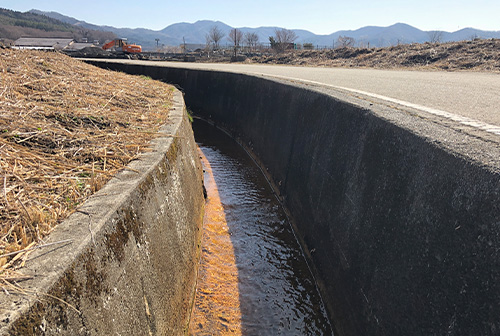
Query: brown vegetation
x,y
481,55
65,129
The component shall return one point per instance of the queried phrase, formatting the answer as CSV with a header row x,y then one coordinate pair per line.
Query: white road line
x,y
463,120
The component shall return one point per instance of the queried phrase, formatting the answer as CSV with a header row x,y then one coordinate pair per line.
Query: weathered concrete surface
x,y
131,266
399,212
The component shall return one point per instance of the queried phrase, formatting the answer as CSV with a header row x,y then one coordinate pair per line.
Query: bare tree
x,y
251,40
282,40
435,36
345,42
208,42
474,37
215,35
235,36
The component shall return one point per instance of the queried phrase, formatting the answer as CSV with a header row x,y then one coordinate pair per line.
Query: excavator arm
x,y
120,43
114,43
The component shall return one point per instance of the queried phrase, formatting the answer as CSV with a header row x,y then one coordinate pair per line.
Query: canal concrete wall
x,y
399,212
128,264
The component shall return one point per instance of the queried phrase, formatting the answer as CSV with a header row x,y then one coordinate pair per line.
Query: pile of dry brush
x,y
65,129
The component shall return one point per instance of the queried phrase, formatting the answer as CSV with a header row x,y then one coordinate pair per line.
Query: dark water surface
x,y
253,277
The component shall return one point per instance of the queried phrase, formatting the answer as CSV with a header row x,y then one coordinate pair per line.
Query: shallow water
x,y
253,278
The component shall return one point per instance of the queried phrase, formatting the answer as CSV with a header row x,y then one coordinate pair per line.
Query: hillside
x,y
66,128
195,33
14,25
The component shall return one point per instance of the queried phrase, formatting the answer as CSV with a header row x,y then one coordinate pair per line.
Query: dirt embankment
x,y
65,129
478,55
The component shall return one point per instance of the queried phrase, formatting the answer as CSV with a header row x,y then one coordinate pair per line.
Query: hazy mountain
x,y
385,36
14,25
468,34
57,16
195,33
192,32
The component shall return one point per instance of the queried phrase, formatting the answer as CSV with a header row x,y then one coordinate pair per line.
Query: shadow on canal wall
x,y
399,215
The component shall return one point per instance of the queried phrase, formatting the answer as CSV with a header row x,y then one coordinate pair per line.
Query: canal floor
x,y
253,278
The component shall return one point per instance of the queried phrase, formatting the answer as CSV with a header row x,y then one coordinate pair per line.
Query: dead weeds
x,y
477,55
65,129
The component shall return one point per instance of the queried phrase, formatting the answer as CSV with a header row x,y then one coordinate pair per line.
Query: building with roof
x,y
42,43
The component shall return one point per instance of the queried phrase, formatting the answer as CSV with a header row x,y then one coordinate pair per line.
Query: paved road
x,y
471,98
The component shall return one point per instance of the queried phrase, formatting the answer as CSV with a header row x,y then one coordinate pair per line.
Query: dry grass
x,y
65,129
477,55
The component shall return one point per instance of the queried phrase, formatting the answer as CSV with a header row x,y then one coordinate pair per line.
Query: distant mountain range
x,y
194,33
14,25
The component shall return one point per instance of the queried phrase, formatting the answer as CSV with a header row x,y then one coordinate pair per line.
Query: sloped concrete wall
x,y
399,213
130,268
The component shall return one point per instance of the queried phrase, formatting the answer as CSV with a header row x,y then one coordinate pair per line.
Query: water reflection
x,y
253,277
217,307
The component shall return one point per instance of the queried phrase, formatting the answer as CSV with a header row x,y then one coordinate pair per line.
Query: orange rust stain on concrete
x,y
217,306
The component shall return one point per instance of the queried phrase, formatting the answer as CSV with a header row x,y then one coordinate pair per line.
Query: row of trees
x,y
281,40
236,36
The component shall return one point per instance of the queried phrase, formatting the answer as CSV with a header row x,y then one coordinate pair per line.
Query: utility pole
x,y
157,40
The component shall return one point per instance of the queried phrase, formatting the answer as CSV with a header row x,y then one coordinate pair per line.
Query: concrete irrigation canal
x,y
395,214
253,278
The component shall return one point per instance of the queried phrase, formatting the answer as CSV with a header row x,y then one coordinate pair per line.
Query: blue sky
x,y
318,16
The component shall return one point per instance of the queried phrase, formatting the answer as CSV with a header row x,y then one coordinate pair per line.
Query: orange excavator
x,y
122,45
